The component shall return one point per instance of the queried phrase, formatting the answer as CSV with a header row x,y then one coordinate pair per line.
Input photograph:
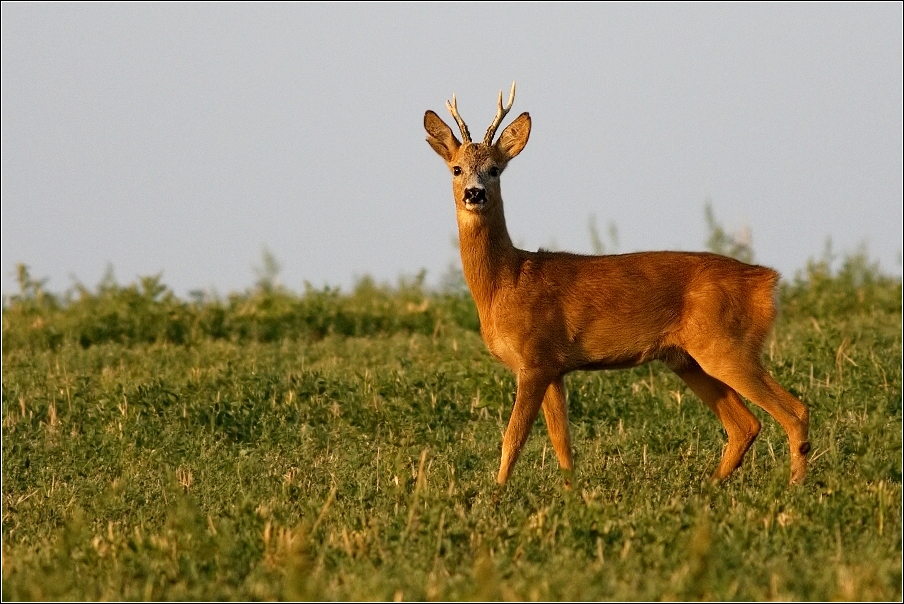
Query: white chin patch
x,y
475,205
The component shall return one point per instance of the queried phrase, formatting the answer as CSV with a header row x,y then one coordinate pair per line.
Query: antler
x,y
453,109
500,114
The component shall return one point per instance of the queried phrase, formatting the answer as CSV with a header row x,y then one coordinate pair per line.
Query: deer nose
x,y
475,195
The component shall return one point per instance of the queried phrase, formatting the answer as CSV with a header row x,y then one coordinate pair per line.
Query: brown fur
x,y
545,314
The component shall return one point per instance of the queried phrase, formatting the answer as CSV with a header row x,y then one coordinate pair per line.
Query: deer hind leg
x,y
741,426
532,387
752,381
555,413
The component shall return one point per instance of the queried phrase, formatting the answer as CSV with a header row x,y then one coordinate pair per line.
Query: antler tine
x,y
500,115
453,109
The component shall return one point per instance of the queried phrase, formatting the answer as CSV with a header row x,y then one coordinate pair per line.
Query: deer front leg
x,y
555,412
532,385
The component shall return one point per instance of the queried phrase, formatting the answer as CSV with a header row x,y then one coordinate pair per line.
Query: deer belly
x,y
623,363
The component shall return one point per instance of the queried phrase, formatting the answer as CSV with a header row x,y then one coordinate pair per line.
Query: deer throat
x,y
488,258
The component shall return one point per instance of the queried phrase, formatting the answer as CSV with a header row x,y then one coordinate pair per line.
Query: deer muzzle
x,y
475,196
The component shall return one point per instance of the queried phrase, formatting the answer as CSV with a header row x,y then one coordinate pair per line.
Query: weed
x,y
342,446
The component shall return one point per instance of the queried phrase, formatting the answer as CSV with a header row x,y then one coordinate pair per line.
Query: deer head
x,y
476,167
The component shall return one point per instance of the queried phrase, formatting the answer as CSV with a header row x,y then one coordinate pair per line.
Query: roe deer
x,y
545,314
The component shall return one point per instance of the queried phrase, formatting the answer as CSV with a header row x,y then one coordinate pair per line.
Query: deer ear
x,y
440,136
513,138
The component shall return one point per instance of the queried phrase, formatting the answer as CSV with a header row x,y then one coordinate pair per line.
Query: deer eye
x,y
494,171
456,171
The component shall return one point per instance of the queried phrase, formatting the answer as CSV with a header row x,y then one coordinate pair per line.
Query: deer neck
x,y
488,258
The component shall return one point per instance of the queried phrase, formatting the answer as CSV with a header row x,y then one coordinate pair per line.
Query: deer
x,y
545,314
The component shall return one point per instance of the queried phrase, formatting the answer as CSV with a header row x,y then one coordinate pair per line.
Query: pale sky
x,y
187,138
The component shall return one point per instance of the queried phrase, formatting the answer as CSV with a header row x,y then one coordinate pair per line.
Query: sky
x,y
190,139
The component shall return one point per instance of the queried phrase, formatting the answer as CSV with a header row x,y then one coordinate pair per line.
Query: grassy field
x,y
332,446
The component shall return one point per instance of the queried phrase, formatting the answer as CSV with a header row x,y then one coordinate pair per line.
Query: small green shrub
x,y
342,446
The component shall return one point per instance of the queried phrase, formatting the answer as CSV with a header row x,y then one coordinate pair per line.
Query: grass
x,y
335,446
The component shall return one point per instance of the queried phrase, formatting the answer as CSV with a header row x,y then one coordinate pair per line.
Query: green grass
x,y
334,446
